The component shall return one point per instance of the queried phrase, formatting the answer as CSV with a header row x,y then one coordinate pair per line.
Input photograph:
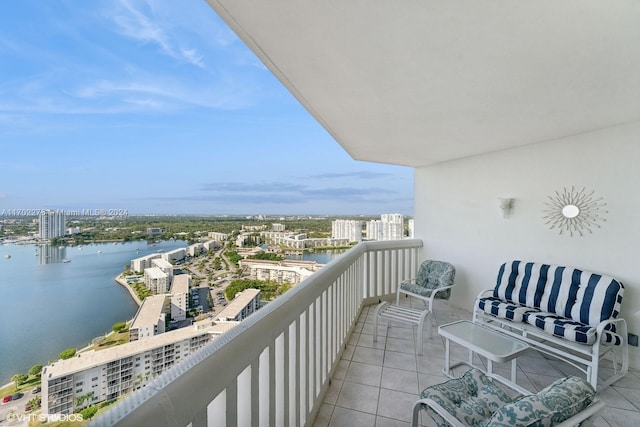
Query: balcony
x,y
309,358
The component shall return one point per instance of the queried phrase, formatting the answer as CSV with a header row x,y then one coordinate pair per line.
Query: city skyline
x,y
156,108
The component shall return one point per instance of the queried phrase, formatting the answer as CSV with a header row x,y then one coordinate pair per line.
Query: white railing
x,y
273,368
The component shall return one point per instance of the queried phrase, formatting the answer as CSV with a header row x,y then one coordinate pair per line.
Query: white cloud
x,y
151,28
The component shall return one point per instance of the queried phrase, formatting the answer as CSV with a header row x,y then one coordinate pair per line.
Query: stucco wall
x,y
458,218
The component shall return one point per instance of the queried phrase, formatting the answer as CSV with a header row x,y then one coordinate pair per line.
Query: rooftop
x,y
238,304
155,273
92,358
149,312
180,284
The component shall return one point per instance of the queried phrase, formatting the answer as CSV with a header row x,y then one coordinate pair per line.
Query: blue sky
x,y
157,107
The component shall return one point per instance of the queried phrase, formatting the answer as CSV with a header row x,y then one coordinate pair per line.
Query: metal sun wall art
x,y
574,212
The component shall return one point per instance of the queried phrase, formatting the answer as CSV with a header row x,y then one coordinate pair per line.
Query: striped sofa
x,y
556,308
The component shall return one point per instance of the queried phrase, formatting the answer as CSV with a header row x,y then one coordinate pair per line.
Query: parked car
x,y
6,399
17,396
36,390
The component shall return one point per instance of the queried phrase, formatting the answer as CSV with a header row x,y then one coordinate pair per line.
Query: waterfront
x,y
49,305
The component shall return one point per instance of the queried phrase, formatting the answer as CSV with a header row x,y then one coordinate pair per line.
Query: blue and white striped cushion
x,y
504,310
568,329
568,292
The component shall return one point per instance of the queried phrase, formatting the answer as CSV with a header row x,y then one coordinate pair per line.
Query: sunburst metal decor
x,y
574,211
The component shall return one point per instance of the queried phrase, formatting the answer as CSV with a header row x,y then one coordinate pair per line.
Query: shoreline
x,y
132,293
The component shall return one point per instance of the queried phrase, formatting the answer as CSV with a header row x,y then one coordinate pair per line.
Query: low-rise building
x,y
195,249
180,296
163,265
154,231
211,244
286,271
151,318
244,304
139,264
175,255
219,237
156,280
108,374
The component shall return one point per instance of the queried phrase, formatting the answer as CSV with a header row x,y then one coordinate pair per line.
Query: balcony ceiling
x,y
417,82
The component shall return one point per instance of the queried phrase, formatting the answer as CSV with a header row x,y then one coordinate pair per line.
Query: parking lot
x,y
10,409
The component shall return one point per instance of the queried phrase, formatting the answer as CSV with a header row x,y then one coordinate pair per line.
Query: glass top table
x,y
492,344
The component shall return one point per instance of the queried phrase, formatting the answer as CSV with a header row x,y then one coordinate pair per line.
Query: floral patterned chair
x,y
477,400
434,280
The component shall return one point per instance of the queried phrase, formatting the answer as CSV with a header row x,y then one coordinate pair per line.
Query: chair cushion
x,y
556,403
568,329
432,275
471,399
569,292
504,310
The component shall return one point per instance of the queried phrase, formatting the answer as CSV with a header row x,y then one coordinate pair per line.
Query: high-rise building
x,y
52,224
392,226
346,229
374,229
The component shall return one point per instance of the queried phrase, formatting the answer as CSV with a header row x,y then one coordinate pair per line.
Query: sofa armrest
x,y
620,325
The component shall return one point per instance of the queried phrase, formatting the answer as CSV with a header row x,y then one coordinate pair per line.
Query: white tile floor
x,y
376,383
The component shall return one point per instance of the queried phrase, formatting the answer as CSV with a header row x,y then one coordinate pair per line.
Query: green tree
x,y
89,412
19,379
68,353
34,403
119,327
35,370
270,256
84,398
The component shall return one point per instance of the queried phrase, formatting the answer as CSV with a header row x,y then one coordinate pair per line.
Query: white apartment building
x,y
52,224
278,227
374,229
154,231
411,226
253,227
392,226
220,237
211,244
110,373
156,280
244,304
139,264
346,229
175,255
180,296
195,249
286,271
150,319
163,265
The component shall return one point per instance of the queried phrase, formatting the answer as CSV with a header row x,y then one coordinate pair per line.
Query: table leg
x,y
513,370
489,366
446,357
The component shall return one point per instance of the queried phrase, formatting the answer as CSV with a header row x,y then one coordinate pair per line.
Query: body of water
x,y
321,257
54,298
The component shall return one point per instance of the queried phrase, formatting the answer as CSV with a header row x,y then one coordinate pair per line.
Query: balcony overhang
x,y
420,82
